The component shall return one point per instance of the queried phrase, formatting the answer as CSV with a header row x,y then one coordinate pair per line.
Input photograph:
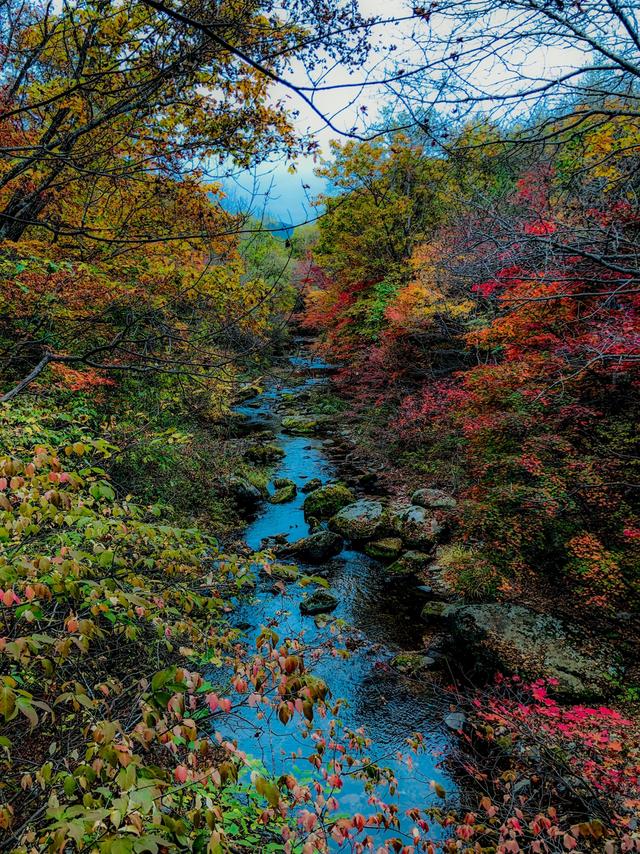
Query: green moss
x,y
325,502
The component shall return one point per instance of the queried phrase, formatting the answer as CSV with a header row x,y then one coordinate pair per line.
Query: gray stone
x,y
515,639
317,547
433,499
320,602
361,520
314,483
415,525
521,786
244,493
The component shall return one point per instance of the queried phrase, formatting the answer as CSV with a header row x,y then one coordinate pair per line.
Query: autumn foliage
x,y
501,346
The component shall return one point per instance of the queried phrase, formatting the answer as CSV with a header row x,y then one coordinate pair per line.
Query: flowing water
x,y
385,618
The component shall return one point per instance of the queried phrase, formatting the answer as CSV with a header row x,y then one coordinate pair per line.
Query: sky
x,y
273,193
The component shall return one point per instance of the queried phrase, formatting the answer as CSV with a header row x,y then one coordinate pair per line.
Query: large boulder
x,y
317,547
244,493
361,520
515,639
325,502
320,602
433,499
416,526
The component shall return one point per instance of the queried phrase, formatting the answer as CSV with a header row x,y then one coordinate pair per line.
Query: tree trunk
x,y
21,212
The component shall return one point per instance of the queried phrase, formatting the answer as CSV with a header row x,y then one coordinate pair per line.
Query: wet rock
x,y
415,525
264,452
425,589
302,425
412,663
455,721
281,571
325,502
361,520
317,547
281,482
386,549
517,639
314,483
320,602
410,563
244,493
284,494
433,499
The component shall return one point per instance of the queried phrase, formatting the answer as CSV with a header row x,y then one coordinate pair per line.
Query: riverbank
x,y
519,612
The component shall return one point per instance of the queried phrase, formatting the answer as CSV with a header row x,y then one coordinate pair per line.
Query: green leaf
x,y
7,702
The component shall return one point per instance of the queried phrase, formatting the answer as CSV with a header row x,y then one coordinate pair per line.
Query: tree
x,y
97,93
118,252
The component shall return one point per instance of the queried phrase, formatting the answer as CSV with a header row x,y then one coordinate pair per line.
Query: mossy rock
x,y
302,425
417,527
281,482
314,483
433,499
515,639
320,602
285,494
360,520
243,492
316,548
386,549
281,572
433,612
248,391
264,452
412,663
410,563
325,502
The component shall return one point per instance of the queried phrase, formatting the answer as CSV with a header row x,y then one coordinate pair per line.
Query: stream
x,y
385,618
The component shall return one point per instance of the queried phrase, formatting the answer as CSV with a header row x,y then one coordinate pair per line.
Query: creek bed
x,y
384,619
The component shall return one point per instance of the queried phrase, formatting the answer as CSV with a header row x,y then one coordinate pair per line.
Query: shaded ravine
x,y
386,619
